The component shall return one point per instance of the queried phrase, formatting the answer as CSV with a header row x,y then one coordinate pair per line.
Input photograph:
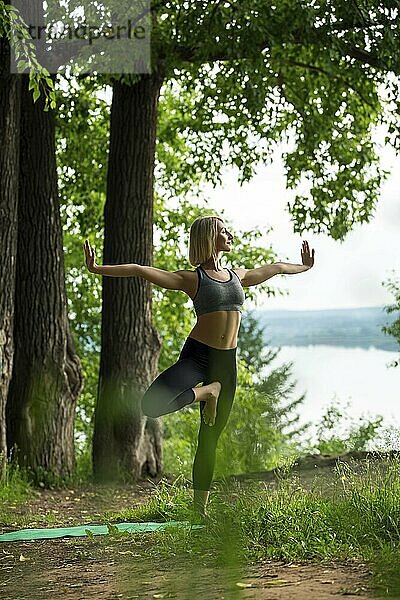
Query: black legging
x,y
172,390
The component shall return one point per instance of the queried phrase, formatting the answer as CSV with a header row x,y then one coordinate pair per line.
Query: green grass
x,y
16,486
352,514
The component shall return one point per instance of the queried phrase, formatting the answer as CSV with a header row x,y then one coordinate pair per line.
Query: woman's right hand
x,y
90,257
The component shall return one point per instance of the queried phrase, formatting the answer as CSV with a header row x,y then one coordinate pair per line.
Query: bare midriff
x,y
218,329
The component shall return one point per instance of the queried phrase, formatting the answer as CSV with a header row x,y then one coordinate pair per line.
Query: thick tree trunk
x,y
47,377
125,444
9,151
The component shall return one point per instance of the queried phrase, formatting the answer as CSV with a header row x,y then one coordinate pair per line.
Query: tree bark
x,y
46,379
9,156
125,445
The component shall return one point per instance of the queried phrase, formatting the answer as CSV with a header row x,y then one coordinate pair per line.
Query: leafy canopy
x,y
246,75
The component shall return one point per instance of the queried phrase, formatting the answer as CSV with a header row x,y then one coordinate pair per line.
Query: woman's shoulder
x,y
190,279
188,273
240,272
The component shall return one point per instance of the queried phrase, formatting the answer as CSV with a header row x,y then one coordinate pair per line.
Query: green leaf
x,y
36,93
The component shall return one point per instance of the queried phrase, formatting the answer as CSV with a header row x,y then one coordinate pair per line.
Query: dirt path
x,y
51,568
83,568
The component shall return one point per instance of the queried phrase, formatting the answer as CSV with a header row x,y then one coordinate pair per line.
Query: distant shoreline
x,y
309,310
342,327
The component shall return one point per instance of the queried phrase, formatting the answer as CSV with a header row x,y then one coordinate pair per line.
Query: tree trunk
x,y
9,151
126,445
47,377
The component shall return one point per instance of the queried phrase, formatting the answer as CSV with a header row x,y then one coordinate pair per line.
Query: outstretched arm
x,y
165,279
307,260
250,277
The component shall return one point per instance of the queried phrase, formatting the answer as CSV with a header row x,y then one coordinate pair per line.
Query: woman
x,y
208,355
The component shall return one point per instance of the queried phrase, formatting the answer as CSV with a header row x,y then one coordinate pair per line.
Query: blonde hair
x,y
203,239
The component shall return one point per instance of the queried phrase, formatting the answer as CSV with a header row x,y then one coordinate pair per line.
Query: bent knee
x,y
149,411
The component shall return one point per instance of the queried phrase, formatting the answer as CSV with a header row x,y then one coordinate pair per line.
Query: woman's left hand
x,y
307,259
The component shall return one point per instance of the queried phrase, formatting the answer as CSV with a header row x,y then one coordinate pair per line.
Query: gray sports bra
x,y
215,295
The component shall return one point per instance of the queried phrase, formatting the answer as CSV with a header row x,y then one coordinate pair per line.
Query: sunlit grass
x,y
353,514
168,502
28,521
16,486
349,514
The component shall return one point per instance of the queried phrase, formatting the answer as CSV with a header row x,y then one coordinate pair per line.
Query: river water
x,y
355,379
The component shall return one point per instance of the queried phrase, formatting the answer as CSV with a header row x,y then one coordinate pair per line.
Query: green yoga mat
x,y
81,530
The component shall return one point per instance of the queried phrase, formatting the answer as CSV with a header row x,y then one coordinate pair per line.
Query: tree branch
x,y
189,55
365,57
296,63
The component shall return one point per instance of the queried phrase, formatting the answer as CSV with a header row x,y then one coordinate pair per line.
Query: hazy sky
x,y
344,275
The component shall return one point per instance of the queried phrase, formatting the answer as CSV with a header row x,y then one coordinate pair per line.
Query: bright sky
x,y
345,275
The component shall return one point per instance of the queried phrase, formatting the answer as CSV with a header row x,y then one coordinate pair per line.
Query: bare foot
x,y
209,412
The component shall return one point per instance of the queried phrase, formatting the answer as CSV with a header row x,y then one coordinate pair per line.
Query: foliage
x,y
252,348
260,435
394,329
338,433
16,485
14,29
244,75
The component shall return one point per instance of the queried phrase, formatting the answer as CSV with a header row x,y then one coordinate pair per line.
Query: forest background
x,y
78,352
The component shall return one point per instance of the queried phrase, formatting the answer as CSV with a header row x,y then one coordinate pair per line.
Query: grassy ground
x,y
309,535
